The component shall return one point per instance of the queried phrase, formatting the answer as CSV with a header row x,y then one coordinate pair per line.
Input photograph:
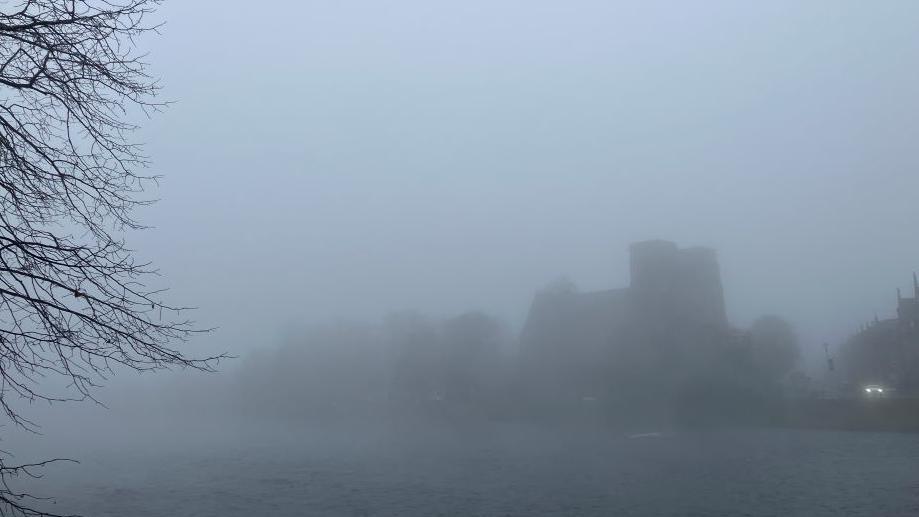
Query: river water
x,y
498,470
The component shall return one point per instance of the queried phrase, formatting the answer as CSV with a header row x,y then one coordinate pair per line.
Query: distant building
x,y
581,345
886,352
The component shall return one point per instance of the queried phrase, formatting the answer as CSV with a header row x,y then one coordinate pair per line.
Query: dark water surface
x,y
503,470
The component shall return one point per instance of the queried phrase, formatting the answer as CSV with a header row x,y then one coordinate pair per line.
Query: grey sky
x,y
346,158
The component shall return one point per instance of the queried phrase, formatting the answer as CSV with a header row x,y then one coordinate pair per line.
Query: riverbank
x,y
893,414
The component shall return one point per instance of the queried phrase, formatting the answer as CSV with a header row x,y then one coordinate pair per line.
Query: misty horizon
x,y
468,258
486,165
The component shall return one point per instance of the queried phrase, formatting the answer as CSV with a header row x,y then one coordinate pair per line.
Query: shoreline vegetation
x,y
657,354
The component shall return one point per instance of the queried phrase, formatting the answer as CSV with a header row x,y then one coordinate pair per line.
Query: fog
x,y
333,170
344,160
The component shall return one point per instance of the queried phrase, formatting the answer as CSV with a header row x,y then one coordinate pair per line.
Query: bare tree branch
x,y
14,502
73,300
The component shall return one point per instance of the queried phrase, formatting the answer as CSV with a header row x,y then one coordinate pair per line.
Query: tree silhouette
x,y
74,303
774,345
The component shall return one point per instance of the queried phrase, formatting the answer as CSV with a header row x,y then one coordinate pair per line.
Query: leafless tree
x,y
74,303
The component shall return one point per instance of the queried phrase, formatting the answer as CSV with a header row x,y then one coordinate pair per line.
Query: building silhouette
x,y
886,352
637,338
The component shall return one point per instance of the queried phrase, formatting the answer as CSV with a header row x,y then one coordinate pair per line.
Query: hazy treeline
x,y
408,362
471,365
